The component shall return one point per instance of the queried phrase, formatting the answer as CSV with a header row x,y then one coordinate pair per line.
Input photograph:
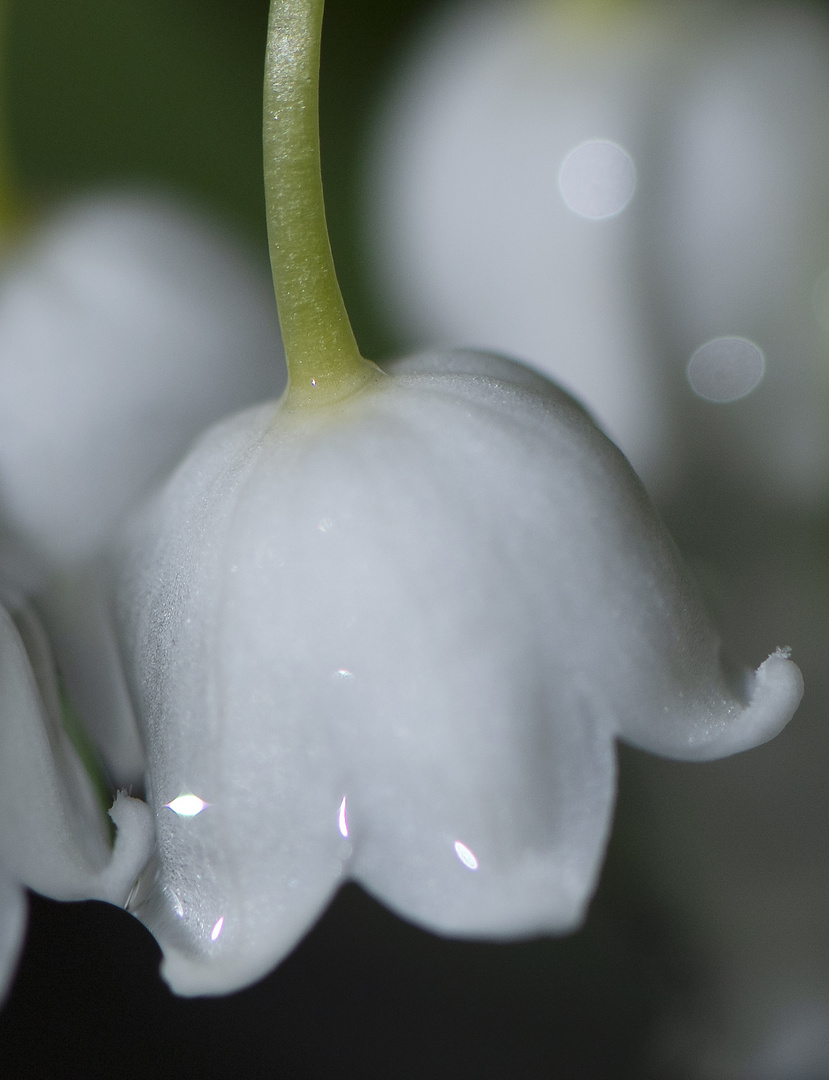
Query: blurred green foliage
x,y
168,93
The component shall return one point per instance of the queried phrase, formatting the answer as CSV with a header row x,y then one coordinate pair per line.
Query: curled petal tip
x,y
776,693
773,694
134,842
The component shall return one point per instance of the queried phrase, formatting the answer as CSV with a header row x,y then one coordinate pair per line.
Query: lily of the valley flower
x,y
393,639
390,627
604,192
53,837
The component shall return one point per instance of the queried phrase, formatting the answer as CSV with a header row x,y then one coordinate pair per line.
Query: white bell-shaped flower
x,y
394,639
389,628
54,836
609,191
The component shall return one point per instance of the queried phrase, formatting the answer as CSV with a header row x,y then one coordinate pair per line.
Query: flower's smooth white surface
x,y
723,117
126,326
54,837
394,640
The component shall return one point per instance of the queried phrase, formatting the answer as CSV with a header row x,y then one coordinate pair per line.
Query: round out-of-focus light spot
x,y
597,179
726,369
218,926
466,856
187,805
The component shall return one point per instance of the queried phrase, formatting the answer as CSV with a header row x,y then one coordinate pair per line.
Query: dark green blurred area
x,y
168,93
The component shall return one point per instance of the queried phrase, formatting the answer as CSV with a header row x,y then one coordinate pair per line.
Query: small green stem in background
x,y
324,363
90,758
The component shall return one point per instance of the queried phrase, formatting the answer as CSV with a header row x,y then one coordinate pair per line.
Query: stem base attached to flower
x,y
324,363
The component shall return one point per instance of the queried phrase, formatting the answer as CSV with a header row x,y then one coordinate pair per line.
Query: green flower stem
x,y
324,363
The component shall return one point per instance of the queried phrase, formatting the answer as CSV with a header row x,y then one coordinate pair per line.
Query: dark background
x,y
365,995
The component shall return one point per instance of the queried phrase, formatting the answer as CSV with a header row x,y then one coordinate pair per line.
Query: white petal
x,y
53,836
727,720
441,600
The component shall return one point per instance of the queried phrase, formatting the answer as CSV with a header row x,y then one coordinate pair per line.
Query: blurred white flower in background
x,y
127,324
634,199
482,142
738,249
502,211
